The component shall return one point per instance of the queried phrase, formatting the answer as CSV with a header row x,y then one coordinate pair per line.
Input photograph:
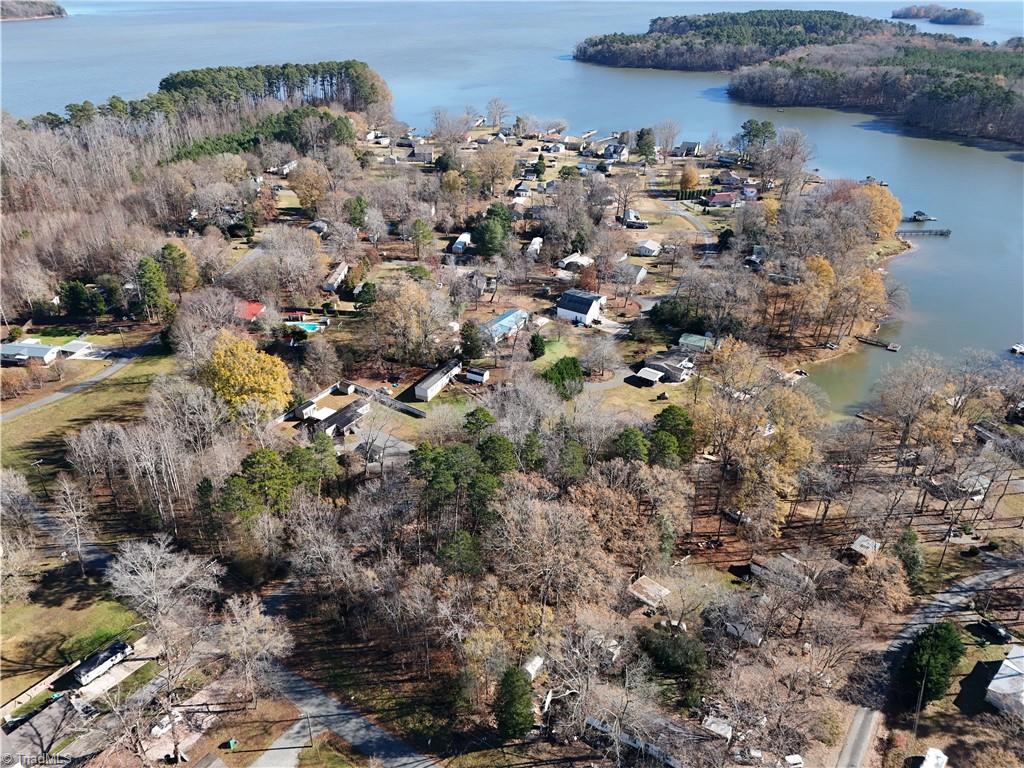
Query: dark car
x,y
996,630
11,725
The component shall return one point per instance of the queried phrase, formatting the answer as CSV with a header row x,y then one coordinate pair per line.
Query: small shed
x,y
575,262
77,348
634,273
864,549
477,375
429,386
693,342
648,591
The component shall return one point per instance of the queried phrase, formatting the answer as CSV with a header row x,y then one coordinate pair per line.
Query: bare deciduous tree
x,y
252,640
73,509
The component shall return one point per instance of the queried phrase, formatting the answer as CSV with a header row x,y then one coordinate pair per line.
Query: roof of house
x,y
26,349
576,258
1008,683
636,270
648,591
651,375
674,357
578,301
249,310
439,373
722,197
101,657
650,245
506,322
345,417
696,340
75,346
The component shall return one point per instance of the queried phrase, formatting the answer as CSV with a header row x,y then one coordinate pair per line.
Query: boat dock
x,y
878,343
923,232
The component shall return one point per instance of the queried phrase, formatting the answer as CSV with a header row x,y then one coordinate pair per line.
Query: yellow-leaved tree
x,y
883,209
237,371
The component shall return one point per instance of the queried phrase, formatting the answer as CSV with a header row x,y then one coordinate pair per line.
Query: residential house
x,y
26,352
428,387
692,342
649,376
580,307
674,364
687,149
647,248
729,159
340,422
729,179
1006,691
505,324
632,272
555,149
288,167
748,192
616,152
723,200
522,189
533,249
462,243
336,278
575,262
249,310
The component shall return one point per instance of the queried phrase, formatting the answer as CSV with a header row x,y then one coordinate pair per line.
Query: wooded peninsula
x,y
14,10
936,14
832,59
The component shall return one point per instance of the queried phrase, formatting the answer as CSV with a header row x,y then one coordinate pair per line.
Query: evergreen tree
x,y
513,704
677,422
537,346
153,300
664,449
179,268
472,341
631,445
645,144
933,656
498,453
478,420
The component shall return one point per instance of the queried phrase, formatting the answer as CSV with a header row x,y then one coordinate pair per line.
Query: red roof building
x,y
249,310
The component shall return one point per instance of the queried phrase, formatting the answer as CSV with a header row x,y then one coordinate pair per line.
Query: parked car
x,y
165,723
996,630
735,516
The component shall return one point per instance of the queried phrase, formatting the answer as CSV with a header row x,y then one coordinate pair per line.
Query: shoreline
x,y
35,18
849,345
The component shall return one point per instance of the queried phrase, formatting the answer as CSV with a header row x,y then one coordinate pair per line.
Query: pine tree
x,y
513,705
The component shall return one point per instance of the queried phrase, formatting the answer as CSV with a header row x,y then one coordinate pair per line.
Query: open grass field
x,y
40,434
253,729
65,620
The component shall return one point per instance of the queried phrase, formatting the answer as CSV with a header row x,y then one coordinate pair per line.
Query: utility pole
x,y
920,699
42,480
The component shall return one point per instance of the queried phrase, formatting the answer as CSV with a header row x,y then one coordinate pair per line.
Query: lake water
x,y
965,291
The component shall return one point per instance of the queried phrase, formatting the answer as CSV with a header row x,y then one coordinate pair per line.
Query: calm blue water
x,y
964,291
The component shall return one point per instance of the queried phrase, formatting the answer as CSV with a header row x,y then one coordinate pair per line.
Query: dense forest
x,y
831,59
31,9
87,192
729,40
936,14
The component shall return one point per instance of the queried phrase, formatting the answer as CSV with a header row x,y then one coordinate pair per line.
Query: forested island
x,y
832,59
14,10
936,14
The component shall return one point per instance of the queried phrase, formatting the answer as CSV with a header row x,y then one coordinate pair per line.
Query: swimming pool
x,y
307,327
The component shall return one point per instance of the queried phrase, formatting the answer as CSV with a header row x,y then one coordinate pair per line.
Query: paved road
x,y
860,737
326,714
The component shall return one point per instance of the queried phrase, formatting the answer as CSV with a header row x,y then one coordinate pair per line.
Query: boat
x,y
919,216
1017,349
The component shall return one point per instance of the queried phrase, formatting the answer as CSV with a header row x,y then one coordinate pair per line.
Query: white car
x,y
165,723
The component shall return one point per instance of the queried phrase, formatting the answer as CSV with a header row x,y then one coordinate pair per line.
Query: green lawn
x,y
65,621
556,349
40,434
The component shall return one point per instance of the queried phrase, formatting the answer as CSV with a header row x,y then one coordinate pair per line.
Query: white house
x,y
648,248
575,262
579,306
98,663
477,375
463,242
336,278
25,352
634,273
428,387
1006,691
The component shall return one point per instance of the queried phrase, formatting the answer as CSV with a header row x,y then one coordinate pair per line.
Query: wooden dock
x,y
923,232
878,343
